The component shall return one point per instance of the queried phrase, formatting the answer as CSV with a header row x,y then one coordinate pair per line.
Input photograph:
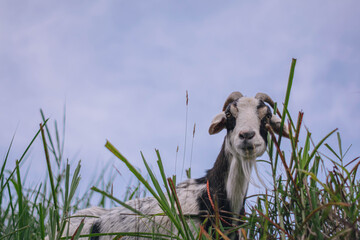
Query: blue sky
x,y
122,68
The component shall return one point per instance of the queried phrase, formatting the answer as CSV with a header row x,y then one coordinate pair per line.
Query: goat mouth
x,y
249,147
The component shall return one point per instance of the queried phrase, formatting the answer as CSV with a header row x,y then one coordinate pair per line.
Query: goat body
x,y
245,120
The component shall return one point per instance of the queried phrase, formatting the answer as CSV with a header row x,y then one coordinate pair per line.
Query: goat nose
x,y
246,135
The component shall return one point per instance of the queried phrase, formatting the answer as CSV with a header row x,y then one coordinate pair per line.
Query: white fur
x,y
242,161
237,183
120,219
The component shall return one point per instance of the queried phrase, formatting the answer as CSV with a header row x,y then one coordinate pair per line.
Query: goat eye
x,y
228,114
268,116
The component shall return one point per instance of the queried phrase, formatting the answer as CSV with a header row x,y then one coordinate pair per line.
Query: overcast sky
x,y
122,69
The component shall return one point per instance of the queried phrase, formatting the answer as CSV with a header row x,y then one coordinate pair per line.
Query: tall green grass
x,y
303,202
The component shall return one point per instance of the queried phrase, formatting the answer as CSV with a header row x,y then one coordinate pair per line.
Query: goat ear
x,y
217,124
275,123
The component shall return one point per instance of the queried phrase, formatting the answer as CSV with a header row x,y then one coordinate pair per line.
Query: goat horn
x,y
264,97
232,97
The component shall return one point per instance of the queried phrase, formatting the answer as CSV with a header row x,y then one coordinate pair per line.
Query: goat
x,y
247,121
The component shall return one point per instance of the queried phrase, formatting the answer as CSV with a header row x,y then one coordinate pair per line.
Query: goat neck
x,y
229,178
